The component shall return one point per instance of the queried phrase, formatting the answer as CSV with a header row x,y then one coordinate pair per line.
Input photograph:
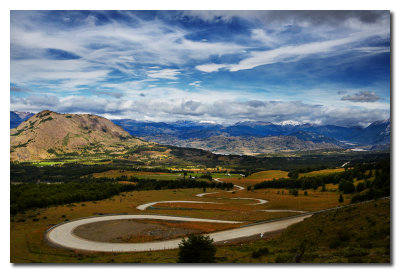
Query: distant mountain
x,y
245,135
16,118
251,145
48,134
377,133
314,137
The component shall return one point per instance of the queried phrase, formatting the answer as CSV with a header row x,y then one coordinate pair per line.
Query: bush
x,y
346,187
261,252
341,198
197,249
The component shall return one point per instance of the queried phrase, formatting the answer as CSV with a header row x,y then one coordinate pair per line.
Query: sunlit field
x,y
320,172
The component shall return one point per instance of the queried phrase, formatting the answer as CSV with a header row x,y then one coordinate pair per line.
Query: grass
x,y
139,174
267,175
320,172
256,177
358,234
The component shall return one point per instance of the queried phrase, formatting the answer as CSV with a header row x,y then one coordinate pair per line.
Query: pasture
x,y
321,172
255,177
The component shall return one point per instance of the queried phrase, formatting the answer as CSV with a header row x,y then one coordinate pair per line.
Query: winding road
x,y
62,235
145,206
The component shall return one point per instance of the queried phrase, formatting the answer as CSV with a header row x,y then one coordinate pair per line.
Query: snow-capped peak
x,y
289,122
207,122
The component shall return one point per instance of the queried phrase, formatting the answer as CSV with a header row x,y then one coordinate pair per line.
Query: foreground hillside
x,y
48,134
356,234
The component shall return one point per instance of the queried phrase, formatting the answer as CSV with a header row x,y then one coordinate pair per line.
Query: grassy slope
x,y
357,234
269,174
321,172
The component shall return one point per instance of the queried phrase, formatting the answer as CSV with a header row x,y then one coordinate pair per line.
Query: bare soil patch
x,y
130,231
137,231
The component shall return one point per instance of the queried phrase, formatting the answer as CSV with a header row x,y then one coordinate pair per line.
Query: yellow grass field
x,y
257,177
271,174
138,174
320,172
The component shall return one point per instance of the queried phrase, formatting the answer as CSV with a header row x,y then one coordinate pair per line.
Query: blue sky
x,y
323,67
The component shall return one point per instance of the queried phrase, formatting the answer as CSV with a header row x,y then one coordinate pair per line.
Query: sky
x,y
320,67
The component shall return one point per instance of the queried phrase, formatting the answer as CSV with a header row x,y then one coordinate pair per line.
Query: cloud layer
x,y
221,111
223,66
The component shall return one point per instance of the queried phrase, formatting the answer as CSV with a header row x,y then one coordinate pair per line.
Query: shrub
x,y
334,243
261,252
197,249
341,198
346,187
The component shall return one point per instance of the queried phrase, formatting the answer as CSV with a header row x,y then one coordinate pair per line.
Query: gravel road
x,y
62,235
145,206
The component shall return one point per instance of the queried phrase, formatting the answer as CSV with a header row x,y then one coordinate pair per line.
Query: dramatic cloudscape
x,y
323,67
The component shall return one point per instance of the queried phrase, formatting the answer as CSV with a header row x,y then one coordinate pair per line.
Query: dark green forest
x,y
28,195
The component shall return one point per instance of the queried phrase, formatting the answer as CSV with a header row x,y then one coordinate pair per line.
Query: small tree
x,y
341,198
197,249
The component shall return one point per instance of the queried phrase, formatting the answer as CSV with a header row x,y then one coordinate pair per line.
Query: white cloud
x,y
108,47
292,53
210,67
260,35
195,83
170,74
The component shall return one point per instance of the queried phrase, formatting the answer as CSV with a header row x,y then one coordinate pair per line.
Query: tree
x,y
341,198
346,186
360,187
294,174
197,249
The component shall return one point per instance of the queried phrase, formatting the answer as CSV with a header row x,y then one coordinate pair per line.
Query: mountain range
x,y
249,137
259,137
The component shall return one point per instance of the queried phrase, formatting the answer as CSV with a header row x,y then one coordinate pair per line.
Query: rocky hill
x,y
48,134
